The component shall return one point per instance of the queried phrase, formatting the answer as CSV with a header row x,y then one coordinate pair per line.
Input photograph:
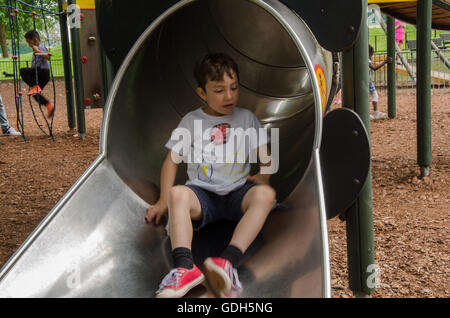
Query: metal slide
x,y
95,243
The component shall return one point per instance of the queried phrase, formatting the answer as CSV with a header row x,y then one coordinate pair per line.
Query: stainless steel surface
x,y
95,243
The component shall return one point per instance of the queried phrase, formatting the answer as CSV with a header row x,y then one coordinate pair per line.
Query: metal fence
x,y
6,66
378,41
440,73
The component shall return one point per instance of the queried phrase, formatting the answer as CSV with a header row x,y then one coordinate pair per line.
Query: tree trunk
x,y
3,40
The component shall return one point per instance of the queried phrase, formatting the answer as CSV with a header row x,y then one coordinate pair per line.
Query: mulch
x,y
411,215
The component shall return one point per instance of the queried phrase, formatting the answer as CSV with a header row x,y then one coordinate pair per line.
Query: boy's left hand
x,y
259,178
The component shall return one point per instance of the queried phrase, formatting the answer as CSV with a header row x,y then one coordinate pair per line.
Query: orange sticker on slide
x,y
321,80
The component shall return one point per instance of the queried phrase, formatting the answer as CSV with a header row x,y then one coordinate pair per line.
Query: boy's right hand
x,y
155,213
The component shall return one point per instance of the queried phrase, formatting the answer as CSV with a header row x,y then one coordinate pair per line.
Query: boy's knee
x,y
179,194
265,193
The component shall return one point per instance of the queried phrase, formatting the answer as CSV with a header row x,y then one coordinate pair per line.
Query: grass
x,y
56,54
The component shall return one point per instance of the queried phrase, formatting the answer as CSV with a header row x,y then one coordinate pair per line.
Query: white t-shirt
x,y
218,150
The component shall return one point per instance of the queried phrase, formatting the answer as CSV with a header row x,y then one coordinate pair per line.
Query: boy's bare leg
x,y
256,206
183,206
375,106
185,275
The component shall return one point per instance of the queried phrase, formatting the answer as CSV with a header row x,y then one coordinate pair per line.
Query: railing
x,y
7,67
440,73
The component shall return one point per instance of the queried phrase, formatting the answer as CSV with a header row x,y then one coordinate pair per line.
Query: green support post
x,y
423,87
67,66
360,241
78,77
391,76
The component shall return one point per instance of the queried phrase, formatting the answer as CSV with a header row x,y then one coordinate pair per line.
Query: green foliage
x,y
25,19
56,54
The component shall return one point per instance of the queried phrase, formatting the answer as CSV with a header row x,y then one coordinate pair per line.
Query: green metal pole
x,y
424,86
360,241
67,66
78,77
392,109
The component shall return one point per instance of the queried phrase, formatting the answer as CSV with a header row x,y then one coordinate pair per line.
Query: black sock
x,y
233,254
182,257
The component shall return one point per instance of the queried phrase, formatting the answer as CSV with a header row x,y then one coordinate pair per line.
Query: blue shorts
x,y
219,207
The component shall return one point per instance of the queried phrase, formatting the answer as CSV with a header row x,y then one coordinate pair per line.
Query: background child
x,y
372,90
40,68
214,190
7,130
400,33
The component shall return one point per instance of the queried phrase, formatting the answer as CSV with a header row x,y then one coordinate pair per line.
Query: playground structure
x,y
124,262
86,90
426,14
16,33
404,66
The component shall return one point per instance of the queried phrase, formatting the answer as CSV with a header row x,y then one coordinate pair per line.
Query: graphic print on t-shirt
x,y
217,158
219,134
205,171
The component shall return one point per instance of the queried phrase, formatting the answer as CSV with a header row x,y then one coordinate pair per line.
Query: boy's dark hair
x,y
213,67
370,50
32,34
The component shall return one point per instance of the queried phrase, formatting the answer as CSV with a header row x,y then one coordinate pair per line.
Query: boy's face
x,y
32,42
221,96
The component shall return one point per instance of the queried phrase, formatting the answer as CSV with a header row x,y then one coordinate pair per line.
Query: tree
x,y
25,19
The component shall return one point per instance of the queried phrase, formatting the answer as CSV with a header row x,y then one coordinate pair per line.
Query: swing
x,y
15,34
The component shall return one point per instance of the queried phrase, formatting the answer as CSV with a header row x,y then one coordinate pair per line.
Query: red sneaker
x,y
222,277
179,282
50,109
34,90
